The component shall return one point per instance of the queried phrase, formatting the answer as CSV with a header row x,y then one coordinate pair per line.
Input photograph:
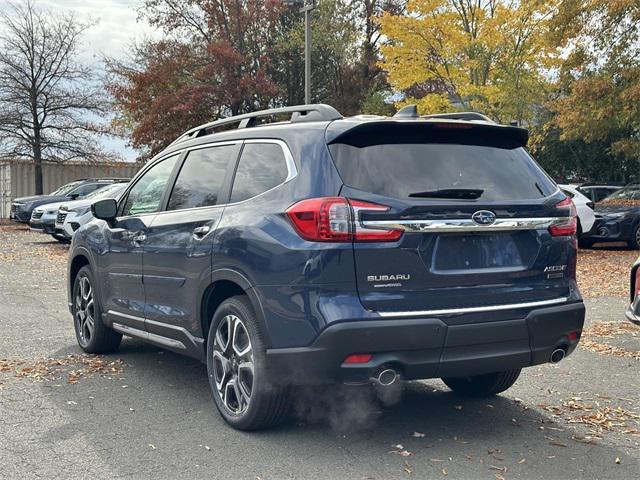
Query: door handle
x,y
200,232
140,238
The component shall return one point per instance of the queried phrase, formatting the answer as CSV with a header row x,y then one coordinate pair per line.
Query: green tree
x,y
599,87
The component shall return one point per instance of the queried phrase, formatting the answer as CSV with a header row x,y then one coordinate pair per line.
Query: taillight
x,y
337,219
322,219
637,284
570,225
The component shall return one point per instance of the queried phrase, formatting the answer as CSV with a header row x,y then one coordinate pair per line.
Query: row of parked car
x,y
606,213
65,210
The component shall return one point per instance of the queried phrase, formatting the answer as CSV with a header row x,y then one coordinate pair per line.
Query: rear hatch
x,y
474,210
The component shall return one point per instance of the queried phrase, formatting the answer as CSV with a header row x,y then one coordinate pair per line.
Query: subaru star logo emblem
x,y
484,217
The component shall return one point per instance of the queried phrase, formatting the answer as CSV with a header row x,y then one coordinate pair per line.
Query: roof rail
x,y
460,116
299,113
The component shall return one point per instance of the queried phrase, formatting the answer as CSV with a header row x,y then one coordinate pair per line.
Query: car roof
x,y
329,126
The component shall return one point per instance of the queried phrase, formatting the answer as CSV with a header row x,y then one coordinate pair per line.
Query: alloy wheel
x,y
85,311
233,364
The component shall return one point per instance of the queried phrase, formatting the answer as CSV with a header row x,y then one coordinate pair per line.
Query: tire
x,y
634,241
60,238
483,385
92,334
236,367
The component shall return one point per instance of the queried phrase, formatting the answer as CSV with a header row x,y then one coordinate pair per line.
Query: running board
x,y
150,337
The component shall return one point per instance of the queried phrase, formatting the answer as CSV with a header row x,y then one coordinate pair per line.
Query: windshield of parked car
x,y
110,191
624,194
63,190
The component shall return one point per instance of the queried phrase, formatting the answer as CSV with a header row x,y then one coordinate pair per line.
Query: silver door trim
x,y
465,224
151,337
489,308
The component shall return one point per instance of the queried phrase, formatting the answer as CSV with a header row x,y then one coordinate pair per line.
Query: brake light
x,y
570,225
637,283
322,219
362,234
337,219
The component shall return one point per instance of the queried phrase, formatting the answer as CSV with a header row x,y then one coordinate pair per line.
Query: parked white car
x,y
584,208
43,219
72,215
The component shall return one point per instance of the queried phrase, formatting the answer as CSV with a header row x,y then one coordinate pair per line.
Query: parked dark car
x,y
633,310
22,208
326,249
617,219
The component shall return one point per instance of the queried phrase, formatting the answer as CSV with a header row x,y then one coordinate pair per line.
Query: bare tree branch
x,y
48,99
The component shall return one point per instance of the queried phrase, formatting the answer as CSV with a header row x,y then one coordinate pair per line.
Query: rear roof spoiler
x,y
431,130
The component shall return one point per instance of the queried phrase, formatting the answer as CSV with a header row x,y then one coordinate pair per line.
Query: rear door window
x,y
262,167
201,177
408,170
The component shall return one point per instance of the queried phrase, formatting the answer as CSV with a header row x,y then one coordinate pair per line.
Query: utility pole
x,y
307,55
307,6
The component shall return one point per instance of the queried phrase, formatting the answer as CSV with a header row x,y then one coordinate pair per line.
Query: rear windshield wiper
x,y
461,193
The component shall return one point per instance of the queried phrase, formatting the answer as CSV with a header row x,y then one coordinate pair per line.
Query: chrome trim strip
x,y
151,337
464,224
125,315
176,328
491,308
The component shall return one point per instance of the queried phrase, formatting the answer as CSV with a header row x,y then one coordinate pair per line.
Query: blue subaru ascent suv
x,y
294,246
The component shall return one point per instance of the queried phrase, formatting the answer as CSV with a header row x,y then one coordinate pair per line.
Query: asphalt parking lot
x,y
146,413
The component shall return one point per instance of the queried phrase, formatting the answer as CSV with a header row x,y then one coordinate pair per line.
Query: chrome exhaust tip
x,y
558,355
386,377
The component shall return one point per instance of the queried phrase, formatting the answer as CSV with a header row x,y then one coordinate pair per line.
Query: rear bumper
x,y
422,348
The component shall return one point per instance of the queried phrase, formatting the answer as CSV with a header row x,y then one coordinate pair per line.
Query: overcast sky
x,y
117,27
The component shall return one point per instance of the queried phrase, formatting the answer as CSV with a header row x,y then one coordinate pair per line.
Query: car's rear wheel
x,y
483,385
634,241
92,334
236,364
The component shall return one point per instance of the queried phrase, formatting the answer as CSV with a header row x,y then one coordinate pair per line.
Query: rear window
x,y
400,170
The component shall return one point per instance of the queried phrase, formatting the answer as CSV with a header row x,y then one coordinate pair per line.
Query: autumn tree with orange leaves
x,y
211,63
225,57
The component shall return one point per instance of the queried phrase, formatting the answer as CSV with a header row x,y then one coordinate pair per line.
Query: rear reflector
x,y
570,225
358,358
573,336
337,219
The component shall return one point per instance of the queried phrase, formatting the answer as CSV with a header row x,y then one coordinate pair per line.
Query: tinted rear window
x,y
201,177
262,167
398,170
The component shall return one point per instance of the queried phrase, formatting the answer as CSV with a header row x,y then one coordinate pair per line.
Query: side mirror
x,y
106,209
